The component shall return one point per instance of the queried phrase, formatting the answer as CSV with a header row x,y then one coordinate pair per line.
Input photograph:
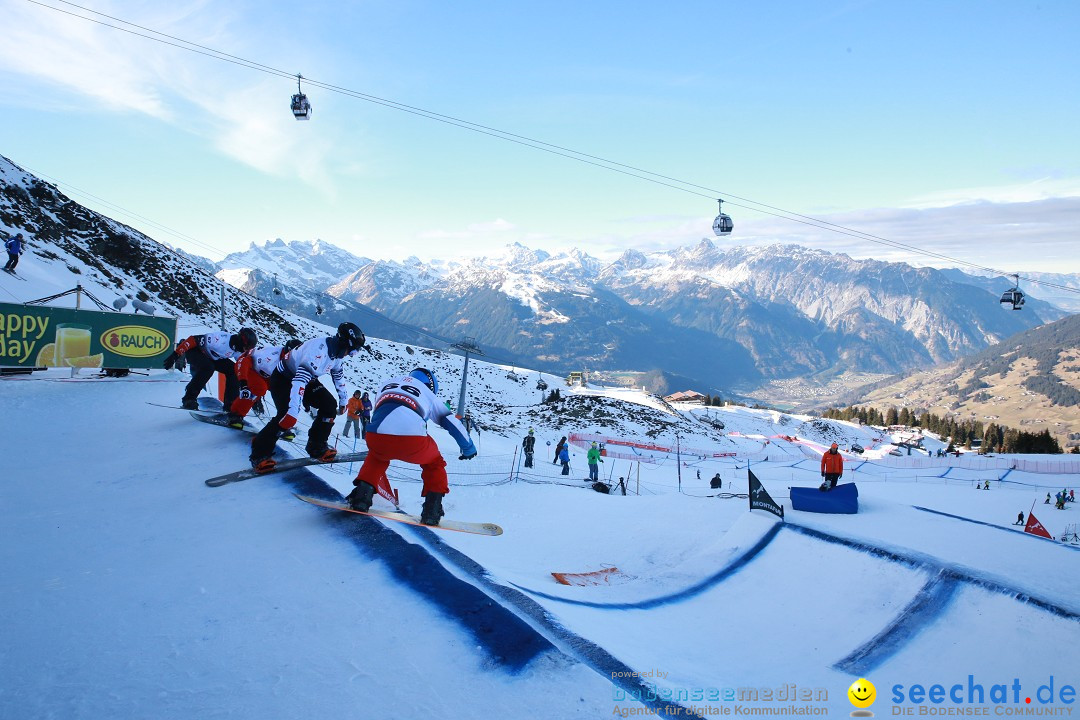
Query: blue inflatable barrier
x,y
843,499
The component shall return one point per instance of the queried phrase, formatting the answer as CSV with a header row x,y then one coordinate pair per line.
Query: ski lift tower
x,y
468,345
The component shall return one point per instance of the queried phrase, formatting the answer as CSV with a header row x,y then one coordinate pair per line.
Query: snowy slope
x,y
133,590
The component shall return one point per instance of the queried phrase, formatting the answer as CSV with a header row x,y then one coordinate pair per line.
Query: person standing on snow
x,y
14,247
365,414
832,467
593,457
529,446
295,381
352,416
558,451
398,431
564,457
210,352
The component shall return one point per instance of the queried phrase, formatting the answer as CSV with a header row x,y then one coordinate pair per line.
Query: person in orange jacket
x,y
832,468
352,419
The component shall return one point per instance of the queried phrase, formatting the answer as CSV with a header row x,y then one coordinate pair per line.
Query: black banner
x,y
760,498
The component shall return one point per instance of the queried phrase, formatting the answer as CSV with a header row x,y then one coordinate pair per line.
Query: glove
x,y
286,422
340,409
170,361
468,452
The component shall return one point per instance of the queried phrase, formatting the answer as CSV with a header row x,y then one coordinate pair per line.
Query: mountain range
x,y
749,314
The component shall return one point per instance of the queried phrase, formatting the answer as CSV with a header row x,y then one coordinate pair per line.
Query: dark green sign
x,y
39,336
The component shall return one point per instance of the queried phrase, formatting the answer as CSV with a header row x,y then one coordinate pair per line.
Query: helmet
x,y
530,431
427,377
351,338
244,340
292,344
834,446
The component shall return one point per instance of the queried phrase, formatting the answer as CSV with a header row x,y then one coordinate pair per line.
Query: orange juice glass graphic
x,y
72,341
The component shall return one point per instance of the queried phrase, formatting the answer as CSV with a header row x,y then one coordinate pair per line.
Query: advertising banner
x,y
40,336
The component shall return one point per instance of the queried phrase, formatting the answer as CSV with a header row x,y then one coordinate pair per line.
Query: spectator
x,y
353,409
594,460
558,450
365,414
529,446
716,483
832,467
564,458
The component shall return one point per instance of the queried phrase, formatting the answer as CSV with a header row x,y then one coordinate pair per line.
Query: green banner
x,y
39,336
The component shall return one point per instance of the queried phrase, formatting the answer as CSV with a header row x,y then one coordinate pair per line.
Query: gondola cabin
x,y
1013,297
301,108
722,225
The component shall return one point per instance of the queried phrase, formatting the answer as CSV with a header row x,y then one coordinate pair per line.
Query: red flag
x,y
1036,528
384,489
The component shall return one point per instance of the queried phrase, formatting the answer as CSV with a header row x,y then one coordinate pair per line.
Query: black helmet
x,y
292,344
244,340
427,377
351,338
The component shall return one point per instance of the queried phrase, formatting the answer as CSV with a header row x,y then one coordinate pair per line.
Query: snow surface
x,y
132,590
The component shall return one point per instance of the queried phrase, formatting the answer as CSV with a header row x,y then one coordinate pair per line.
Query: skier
x,y
398,431
564,458
253,371
832,467
558,451
210,352
14,247
529,445
593,457
295,381
352,417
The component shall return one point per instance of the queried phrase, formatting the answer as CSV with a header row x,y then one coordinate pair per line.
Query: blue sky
x,y
949,126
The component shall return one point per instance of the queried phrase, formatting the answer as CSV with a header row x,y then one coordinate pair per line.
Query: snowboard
x,y
201,410
221,419
444,524
282,466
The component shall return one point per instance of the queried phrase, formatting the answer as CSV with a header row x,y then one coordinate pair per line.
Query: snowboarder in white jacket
x,y
210,352
295,382
398,431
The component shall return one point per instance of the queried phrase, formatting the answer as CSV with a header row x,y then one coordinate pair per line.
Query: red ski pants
x,y
417,449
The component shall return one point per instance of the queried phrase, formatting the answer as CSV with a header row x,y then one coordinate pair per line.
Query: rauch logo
x,y
135,341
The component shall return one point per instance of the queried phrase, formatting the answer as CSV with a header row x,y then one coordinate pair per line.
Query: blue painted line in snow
x,y
1007,473
997,527
723,574
949,470
927,605
508,639
919,561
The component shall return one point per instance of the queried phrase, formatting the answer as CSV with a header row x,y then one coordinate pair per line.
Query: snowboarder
x,y
564,458
210,352
14,247
716,483
1019,518
832,467
986,485
352,416
1047,501
253,371
398,431
295,381
593,457
558,451
529,446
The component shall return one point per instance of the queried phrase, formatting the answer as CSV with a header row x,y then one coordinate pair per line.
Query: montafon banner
x,y
39,336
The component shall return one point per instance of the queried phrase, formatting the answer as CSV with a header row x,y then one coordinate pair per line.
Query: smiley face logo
x,y
862,693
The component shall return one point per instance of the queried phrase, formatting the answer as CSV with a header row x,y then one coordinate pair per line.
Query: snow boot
x,y
235,421
432,510
288,435
263,464
189,404
323,452
361,496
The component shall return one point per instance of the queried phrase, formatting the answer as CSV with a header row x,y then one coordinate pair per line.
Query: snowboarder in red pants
x,y
398,431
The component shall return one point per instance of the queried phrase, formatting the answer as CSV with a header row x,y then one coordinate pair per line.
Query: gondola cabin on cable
x,y
1014,296
301,108
722,225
